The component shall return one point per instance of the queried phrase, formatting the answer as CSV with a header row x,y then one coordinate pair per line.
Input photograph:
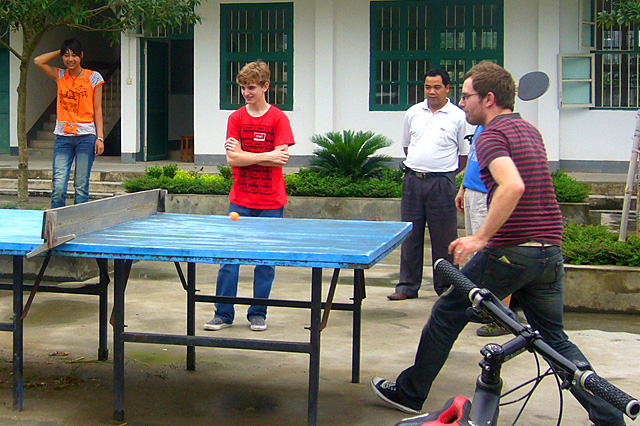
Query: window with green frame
x,y
410,37
256,31
616,55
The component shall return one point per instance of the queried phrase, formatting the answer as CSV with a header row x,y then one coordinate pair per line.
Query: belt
x,y
425,175
534,244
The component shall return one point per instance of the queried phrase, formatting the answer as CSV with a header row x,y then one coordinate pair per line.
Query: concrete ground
x,y
65,385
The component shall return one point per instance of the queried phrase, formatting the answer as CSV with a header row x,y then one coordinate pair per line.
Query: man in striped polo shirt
x,y
517,248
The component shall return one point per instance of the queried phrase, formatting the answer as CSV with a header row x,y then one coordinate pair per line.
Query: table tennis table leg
x,y
119,283
191,314
358,286
314,353
18,333
103,349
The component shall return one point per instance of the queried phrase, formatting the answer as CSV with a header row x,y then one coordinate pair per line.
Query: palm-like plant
x,y
349,153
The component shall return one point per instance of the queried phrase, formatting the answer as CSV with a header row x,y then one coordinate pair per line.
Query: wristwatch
x,y
100,139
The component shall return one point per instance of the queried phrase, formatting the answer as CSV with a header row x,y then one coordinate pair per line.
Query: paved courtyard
x,y
65,385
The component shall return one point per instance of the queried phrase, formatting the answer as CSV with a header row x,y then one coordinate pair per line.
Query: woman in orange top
x,y
79,131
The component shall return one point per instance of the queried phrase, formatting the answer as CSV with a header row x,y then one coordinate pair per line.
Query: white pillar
x,y
548,48
15,40
324,60
130,95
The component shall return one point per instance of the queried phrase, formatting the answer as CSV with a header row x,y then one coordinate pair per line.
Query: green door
x,y
4,101
157,100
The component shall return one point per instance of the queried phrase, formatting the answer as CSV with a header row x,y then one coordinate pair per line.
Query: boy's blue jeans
x,y
263,275
65,149
536,276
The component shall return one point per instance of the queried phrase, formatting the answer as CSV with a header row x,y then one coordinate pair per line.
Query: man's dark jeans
x,y
536,276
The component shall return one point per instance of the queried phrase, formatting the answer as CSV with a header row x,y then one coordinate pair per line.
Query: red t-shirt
x,y
255,186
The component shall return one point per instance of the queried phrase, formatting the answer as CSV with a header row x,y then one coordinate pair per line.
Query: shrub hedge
x,y
569,190
597,245
386,183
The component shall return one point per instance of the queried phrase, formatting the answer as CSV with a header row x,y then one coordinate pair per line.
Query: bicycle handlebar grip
x,y
614,396
453,276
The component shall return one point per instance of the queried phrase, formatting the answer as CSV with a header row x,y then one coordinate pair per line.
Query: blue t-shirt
x,y
472,173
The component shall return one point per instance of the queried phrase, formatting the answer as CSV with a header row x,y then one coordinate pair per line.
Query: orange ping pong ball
x,y
234,215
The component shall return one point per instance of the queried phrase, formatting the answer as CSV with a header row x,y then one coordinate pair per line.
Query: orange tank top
x,y
75,113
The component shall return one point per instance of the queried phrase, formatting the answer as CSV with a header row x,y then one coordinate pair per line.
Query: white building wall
x,y
331,82
352,77
210,122
590,137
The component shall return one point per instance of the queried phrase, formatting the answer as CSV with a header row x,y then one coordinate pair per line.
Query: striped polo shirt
x,y
537,216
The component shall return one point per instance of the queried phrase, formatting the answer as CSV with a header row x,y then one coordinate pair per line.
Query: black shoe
x,y
387,391
398,295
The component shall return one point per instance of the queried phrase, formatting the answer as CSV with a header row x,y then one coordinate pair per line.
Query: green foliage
x,y
36,17
349,153
177,181
569,190
459,179
225,171
157,171
597,245
623,12
386,184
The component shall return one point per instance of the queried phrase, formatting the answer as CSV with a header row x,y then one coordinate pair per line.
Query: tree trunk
x,y
29,44
23,149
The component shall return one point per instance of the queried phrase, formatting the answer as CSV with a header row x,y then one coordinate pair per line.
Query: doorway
x,y
168,96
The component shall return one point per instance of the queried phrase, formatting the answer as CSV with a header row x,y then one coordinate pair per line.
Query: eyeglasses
x,y
465,97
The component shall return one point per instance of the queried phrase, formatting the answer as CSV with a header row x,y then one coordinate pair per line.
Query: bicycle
x,y
487,395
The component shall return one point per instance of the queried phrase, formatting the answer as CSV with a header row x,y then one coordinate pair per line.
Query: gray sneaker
x,y
216,324
258,323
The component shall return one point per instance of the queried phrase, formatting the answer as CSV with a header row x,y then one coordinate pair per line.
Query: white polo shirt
x,y
435,140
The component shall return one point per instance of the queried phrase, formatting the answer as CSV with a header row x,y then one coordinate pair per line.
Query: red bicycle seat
x,y
454,413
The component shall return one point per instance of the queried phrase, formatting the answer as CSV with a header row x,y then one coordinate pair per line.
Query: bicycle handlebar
x,y
614,396
585,378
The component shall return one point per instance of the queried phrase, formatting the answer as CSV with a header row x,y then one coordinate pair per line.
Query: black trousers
x,y
427,201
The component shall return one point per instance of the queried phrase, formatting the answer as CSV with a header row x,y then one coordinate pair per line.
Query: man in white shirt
x,y
435,139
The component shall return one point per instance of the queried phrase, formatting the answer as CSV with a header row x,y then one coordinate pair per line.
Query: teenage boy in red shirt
x,y
258,140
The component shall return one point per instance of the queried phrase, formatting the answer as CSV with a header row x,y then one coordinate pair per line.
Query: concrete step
x,y
42,153
46,193
607,188
112,188
44,135
609,202
111,176
42,143
611,219
96,175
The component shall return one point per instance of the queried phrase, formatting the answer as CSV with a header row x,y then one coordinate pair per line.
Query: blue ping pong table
x,y
315,244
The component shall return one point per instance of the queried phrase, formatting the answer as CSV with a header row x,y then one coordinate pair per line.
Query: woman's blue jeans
x,y
263,275
65,149
536,276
